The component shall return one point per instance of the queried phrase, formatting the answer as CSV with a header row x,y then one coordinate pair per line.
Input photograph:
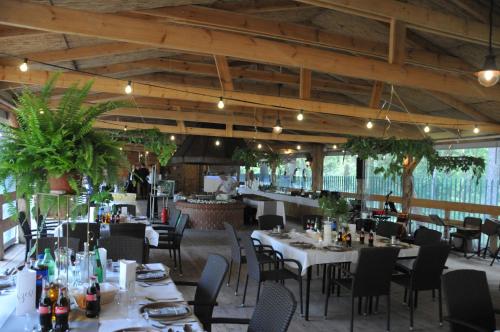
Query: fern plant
x,y
56,140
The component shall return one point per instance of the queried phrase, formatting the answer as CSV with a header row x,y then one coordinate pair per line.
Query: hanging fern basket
x,y
60,185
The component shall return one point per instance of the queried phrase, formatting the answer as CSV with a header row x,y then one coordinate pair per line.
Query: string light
x,y
220,104
489,73
277,129
24,66
128,88
125,128
217,143
259,146
299,147
121,149
369,124
334,146
427,129
147,152
300,116
172,137
476,130
41,111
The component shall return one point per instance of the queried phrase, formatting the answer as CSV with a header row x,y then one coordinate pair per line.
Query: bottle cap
x,y
47,250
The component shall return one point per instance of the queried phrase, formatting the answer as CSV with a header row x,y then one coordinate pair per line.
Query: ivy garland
x,y
400,149
152,140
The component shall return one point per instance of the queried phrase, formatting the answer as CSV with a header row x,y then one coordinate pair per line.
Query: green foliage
x,y
273,159
52,141
247,157
400,149
152,140
332,207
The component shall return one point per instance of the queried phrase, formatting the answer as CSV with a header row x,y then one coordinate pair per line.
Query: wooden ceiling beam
x,y
9,32
243,23
219,132
260,6
461,106
224,73
192,39
305,83
417,17
179,91
397,42
377,90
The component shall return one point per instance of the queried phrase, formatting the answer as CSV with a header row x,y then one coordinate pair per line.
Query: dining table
x,y
123,314
306,249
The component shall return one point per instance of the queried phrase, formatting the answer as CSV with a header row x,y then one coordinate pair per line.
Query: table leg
x,y
308,290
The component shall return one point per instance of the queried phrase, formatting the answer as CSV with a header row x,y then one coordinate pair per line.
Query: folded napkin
x,y
167,311
151,275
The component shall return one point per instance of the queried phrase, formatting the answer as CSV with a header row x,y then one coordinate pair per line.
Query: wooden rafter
x,y
377,90
192,39
224,72
397,42
460,106
417,17
305,83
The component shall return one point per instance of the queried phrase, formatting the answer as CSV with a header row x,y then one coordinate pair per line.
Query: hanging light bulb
x,y
220,104
300,116
259,146
41,111
128,88
121,149
476,130
334,146
369,124
489,73
277,129
427,129
217,143
24,66
147,152
125,128
172,137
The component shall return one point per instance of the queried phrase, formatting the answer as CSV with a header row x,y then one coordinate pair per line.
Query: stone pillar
x,y
318,155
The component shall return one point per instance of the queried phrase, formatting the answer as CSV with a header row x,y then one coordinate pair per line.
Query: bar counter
x,y
207,214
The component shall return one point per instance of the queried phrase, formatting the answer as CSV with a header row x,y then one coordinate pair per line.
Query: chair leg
x,y
433,295
323,281
245,292
479,246
440,300
416,299
229,274
258,292
405,296
388,312
300,295
352,313
180,262
376,304
317,270
412,301
328,288
360,303
238,279
175,259
170,252
486,247
495,256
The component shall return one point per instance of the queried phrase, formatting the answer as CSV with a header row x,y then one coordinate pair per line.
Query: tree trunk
x,y
273,176
409,166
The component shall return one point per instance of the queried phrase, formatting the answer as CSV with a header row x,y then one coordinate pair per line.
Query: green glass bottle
x,y
50,263
98,270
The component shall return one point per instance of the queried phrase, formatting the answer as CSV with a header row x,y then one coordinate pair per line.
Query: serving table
x,y
113,316
291,245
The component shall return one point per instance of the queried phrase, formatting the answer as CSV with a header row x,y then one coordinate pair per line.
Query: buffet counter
x,y
211,214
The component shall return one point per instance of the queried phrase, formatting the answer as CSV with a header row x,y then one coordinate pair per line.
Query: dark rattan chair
x,y
207,289
469,236
79,231
371,278
490,228
172,240
279,273
136,230
388,229
123,247
270,221
468,301
273,312
424,273
51,243
424,237
173,217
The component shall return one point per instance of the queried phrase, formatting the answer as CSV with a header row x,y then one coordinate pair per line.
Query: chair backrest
x,y
311,217
180,227
472,222
233,242
274,311
425,236
173,217
490,227
123,247
51,243
388,229
270,221
366,224
374,271
208,288
253,266
136,230
428,266
468,298
79,231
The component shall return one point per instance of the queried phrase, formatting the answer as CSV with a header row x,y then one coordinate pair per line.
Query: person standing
x,y
152,183
142,175
228,185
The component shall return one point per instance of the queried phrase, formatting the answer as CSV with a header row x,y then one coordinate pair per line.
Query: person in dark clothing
x,y
142,174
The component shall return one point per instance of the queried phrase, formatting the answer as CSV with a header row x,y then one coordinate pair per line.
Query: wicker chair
x,y
468,301
424,237
79,231
273,312
172,240
124,247
207,289
269,221
51,243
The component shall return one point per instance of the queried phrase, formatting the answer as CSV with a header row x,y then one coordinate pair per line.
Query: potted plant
x,y
333,207
56,144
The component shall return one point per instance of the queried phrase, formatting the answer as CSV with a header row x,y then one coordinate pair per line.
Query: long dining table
x,y
306,250
119,315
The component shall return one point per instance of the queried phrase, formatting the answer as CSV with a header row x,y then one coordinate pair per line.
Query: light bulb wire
x,y
490,41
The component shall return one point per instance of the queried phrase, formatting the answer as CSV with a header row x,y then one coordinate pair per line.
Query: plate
x,y
152,275
161,305
302,245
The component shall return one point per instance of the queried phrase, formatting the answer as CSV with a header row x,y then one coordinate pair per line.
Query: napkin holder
x,y
127,274
103,255
26,291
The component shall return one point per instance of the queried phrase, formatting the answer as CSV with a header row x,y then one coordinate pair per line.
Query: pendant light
x,y
277,129
300,115
489,74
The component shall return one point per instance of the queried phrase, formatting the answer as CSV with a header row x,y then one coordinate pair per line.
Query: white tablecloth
x,y
310,257
112,316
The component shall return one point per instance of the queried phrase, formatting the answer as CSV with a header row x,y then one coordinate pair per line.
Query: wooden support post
x,y
318,155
